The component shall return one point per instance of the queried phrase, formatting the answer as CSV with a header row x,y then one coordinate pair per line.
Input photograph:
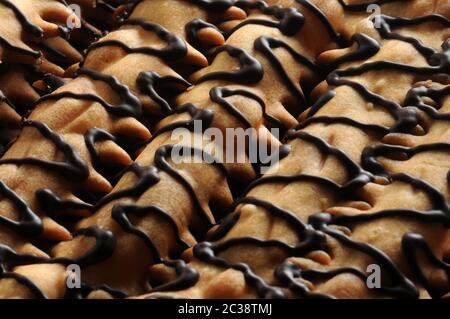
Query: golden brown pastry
x,y
365,182
31,27
341,200
62,155
177,195
32,44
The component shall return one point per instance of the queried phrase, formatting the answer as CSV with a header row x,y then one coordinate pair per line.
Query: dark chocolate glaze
x,y
175,49
53,82
266,45
29,224
130,106
290,20
219,95
193,27
74,168
416,95
390,23
250,72
147,81
336,36
27,25
314,233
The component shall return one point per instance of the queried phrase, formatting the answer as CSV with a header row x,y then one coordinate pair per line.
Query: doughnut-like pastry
x,y
31,27
236,90
69,145
366,182
363,180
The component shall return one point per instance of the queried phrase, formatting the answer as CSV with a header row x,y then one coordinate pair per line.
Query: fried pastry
x,y
62,153
31,27
343,200
362,182
171,195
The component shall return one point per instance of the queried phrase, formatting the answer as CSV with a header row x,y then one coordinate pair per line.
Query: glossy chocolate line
x,y
406,118
34,54
415,95
404,287
147,176
186,276
370,153
265,46
50,201
361,176
193,27
175,49
205,116
160,161
367,47
28,224
74,167
329,120
219,95
389,23
53,82
336,36
7,254
26,24
290,20
130,105
147,81
121,212
411,244
205,252
250,72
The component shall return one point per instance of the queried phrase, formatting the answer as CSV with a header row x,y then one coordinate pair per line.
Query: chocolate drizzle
x,y
74,167
314,233
218,95
130,106
29,224
193,27
175,49
336,36
147,81
26,25
290,20
250,72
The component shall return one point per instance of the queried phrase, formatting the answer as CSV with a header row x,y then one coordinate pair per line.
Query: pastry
x,y
378,198
102,106
30,26
362,180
